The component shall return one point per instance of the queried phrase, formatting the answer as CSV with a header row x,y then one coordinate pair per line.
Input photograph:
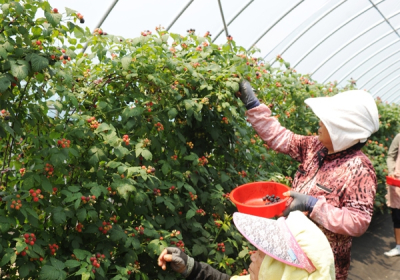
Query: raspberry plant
x,y
105,163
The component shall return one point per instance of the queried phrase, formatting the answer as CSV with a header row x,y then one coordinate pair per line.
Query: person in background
x,y
335,183
393,192
291,248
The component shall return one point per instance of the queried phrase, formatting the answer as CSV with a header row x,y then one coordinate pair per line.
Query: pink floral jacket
x,y
344,183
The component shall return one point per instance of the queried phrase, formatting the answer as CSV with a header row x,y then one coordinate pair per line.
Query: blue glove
x,y
301,202
247,95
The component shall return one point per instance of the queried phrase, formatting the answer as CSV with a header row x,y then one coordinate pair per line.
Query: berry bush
x,y
112,154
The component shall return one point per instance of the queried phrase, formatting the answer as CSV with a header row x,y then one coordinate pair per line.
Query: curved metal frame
x,y
333,32
390,88
275,23
375,76
223,19
366,60
307,29
383,77
351,41
395,95
388,83
179,14
338,68
237,14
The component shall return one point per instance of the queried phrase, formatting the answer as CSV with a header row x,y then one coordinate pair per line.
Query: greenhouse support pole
x,y
103,19
223,20
179,15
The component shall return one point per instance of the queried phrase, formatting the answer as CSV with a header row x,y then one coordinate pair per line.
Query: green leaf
x,y
72,263
57,264
4,83
19,68
53,18
59,215
192,156
3,52
147,154
172,113
120,152
38,62
126,62
81,254
103,127
190,214
49,273
189,188
197,250
70,11
81,214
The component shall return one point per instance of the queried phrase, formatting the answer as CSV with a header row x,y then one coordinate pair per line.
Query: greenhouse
x,y
214,139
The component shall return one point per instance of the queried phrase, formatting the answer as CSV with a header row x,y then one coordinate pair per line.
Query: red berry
x,y
55,10
38,42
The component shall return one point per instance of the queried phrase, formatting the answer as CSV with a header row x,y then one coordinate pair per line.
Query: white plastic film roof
x,y
332,40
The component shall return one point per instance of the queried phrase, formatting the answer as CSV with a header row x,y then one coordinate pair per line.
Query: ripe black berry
x,y
65,56
82,20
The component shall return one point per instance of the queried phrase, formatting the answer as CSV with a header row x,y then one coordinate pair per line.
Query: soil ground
x,y
368,261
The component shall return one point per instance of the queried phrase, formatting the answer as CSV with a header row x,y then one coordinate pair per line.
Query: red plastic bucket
x,y
392,181
248,198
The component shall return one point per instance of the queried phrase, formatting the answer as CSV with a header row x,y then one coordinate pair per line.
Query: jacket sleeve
x,y
392,155
203,271
278,137
354,217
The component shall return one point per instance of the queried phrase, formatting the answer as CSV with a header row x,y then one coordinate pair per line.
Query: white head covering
x,y
350,117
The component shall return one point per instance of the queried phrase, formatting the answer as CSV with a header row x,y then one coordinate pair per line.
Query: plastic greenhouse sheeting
x,y
331,40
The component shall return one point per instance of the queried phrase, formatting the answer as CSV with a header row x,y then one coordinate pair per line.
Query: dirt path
x,y
368,261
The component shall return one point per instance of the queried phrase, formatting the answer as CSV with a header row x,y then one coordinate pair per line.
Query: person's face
x,y
324,137
256,261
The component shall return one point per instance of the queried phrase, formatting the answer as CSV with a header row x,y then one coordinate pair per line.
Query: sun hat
x,y
350,117
295,240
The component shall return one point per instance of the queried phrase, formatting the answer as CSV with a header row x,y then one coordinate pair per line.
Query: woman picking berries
x,y
288,249
335,184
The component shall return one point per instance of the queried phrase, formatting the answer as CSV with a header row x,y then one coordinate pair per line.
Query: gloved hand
x,y
180,262
301,202
247,95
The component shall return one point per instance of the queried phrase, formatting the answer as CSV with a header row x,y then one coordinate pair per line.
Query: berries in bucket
x,y
263,199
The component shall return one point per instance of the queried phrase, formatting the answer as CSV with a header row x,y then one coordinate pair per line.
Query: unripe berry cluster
x,y
173,189
86,199
125,138
99,31
201,212
22,171
174,157
5,114
244,272
221,247
79,227
105,228
49,169
207,34
93,123
80,17
36,194
229,38
146,143
95,260
16,204
226,195
53,249
149,169
193,196
140,229
203,161
30,238
190,144
145,33
110,191
64,143
242,173
156,192
159,126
